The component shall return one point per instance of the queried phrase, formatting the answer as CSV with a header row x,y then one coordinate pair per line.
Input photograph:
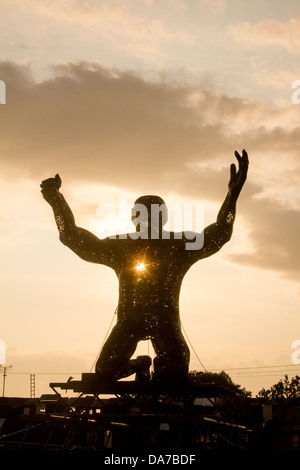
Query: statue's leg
x,y
172,354
114,361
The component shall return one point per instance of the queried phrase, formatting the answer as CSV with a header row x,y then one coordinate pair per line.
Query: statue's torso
x,y
150,274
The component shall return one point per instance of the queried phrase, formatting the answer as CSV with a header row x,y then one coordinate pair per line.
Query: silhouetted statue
x,y
150,265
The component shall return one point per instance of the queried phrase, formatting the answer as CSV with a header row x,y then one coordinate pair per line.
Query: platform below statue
x,y
91,384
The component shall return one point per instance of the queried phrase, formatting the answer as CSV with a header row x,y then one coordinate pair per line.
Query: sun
x,y
140,267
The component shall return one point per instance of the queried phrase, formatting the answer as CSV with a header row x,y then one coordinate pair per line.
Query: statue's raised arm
x,y
50,188
64,217
84,243
238,178
219,233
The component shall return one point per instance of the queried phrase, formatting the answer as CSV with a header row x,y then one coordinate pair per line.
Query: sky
x,y
124,98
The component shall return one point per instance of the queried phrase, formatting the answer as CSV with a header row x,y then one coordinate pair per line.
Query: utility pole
x,y
4,368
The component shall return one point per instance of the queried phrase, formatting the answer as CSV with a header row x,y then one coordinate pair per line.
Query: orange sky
x,y
140,97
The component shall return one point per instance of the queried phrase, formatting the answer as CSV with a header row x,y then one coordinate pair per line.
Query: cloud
x,y
206,183
116,25
217,7
269,32
61,362
274,231
102,126
88,120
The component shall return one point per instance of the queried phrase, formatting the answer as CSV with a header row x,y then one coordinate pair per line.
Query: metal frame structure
x,y
132,417
150,417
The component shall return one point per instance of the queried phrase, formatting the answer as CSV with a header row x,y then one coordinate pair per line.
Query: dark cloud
x,y
104,126
274,233
96,124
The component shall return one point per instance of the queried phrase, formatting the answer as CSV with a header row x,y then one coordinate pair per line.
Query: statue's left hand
x,y
238,178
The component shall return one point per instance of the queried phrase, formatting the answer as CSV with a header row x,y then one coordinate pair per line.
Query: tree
x,y
285,388
220,378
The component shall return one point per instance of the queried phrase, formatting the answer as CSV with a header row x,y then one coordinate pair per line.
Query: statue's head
x,y
149,212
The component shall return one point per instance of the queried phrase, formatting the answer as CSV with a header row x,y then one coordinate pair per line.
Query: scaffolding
x,y
118,415
147,417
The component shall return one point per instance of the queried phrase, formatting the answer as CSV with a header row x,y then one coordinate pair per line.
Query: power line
x,y
108,330
258,367
193,347
262,373
45,373
266,371
253,376
211,370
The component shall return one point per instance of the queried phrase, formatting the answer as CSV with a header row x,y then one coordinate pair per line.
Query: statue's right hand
x,y
50,187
